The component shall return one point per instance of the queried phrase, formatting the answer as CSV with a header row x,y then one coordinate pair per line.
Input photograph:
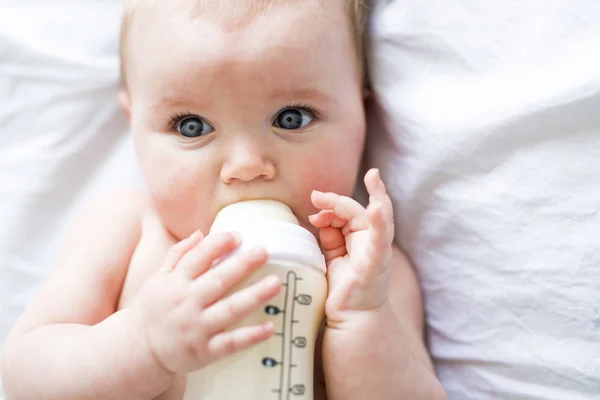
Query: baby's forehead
x,y
222,8
197,27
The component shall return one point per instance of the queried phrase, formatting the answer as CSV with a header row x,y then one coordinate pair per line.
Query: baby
x,y
228,101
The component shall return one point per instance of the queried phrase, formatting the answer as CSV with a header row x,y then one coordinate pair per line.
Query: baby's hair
x,y
358,11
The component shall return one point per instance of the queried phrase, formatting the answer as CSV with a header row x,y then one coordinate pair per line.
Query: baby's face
x,y
225,110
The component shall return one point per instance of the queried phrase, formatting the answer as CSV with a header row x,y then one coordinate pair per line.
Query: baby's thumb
x,y
333,243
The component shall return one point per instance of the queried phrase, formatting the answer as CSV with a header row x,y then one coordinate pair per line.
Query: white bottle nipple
x,y
274,226
252,212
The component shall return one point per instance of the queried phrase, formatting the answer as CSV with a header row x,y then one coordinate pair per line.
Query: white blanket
x,y
489,138
62,135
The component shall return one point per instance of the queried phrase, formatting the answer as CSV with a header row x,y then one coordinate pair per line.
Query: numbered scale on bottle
x,y
289,387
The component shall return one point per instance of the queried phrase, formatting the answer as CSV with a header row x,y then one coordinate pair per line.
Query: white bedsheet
x,y
491,149
62,135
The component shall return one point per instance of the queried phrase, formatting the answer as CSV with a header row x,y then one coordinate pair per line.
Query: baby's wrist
x,y
142,350
364,337
356,320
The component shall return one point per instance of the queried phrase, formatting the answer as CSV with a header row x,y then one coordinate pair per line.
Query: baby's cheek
x,y
177,198
325,177
334,169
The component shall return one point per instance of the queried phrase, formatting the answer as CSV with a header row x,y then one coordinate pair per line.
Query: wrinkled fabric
x,y
62,134
486,127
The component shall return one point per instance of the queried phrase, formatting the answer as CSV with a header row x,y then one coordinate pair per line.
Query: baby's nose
x,y
247,163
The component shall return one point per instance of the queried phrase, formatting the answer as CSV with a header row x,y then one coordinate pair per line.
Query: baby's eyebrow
x,y
306,93
278,94
168,100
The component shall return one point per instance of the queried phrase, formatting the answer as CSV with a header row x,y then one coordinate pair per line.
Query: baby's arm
x,y
373,345
71,342
383,356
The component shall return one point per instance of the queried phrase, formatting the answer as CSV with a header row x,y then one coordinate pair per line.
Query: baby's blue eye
x,y
293,118
193,127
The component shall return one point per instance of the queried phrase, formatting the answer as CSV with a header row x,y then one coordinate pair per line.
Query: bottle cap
x,y
274,226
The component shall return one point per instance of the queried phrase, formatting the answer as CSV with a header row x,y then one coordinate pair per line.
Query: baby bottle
x,y
281,367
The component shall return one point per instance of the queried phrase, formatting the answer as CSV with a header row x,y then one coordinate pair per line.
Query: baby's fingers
x,y
226,343
333,243
343,207
326,218
380,206
177,252
199,259
239,305
374,184
224,277
381,218
381,231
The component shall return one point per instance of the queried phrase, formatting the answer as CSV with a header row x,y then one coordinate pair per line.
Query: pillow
x,y
62,134
486,127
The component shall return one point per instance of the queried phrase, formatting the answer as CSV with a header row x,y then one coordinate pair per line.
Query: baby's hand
x,y
357,247
183,310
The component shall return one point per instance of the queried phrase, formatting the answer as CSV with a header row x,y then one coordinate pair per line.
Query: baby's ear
x,y
125,103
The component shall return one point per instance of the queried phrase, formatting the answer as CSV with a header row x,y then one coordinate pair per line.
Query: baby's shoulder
x,y
106,229
92,263
116,210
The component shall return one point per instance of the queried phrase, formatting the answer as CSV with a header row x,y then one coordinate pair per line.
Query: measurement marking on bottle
x,y
269,362
291,295
273,310
304,299
299,342
288,341
297,390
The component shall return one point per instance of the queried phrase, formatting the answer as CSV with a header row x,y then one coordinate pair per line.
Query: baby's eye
x,y
193,127
293,118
